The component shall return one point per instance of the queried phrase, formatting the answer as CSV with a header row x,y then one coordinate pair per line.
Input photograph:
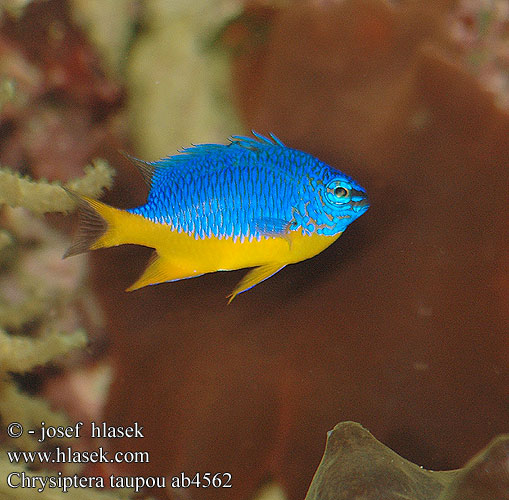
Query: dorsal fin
x,y
145,168
259,140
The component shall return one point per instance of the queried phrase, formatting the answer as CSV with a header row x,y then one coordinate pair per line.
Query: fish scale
x,y
222,183
251,203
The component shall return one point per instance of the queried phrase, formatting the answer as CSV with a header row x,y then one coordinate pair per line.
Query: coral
x,y
7,91
35,279
62,107
23,354
485,477
110,25
41,197
58,109
19,355
179,90
39,297
355,464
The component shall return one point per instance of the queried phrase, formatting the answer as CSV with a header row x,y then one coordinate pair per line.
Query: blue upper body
x,y
250,188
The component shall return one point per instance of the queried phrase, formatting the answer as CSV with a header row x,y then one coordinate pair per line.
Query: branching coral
x,y
43,196
36,280
36,309
21,355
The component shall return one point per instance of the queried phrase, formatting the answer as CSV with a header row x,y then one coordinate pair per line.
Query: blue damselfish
x,y
251,203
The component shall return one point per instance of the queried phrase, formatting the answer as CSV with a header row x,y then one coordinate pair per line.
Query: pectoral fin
x,y
269,226
161,270
274,228
255,276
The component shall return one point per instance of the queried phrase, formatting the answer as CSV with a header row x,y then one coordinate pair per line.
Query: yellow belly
x,y
180,255
214,254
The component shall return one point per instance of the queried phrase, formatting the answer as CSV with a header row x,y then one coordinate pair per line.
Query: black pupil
x,y
340,192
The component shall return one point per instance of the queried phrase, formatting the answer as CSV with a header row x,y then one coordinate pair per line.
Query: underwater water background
x,y
401,325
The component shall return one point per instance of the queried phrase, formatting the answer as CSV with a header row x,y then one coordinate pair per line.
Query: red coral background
x,y
402,325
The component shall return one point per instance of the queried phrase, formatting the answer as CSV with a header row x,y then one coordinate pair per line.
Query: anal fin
x,y
161,270
255,276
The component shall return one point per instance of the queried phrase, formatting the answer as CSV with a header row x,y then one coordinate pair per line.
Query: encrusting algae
x,y
35,305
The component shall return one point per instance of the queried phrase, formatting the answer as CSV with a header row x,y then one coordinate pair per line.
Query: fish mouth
x,y
360,201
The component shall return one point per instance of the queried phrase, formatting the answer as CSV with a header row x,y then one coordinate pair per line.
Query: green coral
x,y
21,354
43,196
33,310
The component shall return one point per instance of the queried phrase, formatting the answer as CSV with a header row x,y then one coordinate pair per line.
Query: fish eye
x,y
340,192
337,192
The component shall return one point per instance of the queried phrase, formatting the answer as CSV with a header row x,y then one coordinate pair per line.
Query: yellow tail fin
x,y
99,226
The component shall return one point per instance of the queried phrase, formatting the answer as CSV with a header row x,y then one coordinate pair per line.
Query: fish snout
x,y
359,200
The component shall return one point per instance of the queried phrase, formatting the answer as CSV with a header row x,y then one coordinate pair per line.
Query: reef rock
x,y
356,465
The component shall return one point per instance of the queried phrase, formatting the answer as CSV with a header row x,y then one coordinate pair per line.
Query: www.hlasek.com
x,y
23,479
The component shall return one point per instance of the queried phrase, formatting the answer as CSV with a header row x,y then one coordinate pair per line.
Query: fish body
x,y
251,203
